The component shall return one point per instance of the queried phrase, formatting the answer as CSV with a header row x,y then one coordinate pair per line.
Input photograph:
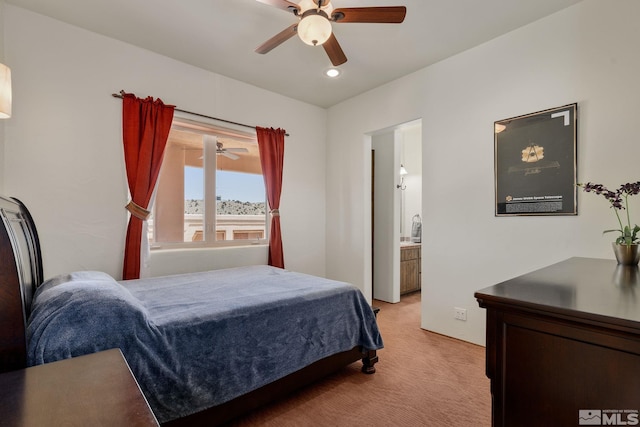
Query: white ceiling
x,y
221,35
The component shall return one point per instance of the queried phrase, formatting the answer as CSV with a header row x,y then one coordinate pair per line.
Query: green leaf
x,y
634,235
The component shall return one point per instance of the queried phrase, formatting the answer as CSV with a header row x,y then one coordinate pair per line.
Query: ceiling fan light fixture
x,y
316,17
314,28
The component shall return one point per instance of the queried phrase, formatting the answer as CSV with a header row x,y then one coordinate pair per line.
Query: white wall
x,y
63,145
587,54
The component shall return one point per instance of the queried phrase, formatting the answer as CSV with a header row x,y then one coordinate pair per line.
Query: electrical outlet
x,y
460,313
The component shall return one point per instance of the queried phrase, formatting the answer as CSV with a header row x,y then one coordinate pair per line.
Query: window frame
x,y
210,133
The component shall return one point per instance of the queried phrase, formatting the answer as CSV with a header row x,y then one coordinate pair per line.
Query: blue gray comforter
x,y
198,340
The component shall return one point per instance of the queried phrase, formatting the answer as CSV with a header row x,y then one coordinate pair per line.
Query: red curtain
x,y
271,146
145,129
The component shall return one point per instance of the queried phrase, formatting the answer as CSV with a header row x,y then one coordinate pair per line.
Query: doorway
x,y
395,207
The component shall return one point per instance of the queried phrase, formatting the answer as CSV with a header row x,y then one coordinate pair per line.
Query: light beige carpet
x,y
422,379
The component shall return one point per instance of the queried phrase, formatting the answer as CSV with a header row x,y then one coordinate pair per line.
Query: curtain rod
x,y
116,95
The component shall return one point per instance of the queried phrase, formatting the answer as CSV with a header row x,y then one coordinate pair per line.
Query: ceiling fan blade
x,y
230,155
278,39
236,150
380,15
334,51
281,4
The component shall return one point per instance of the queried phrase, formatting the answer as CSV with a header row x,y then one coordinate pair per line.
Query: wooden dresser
x,y
410,267
563,345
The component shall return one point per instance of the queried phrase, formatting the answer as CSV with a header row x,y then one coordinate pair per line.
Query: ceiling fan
x,y
228,152
314,25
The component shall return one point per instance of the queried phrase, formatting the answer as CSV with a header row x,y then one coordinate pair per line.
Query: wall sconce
x,y
5,92
403,172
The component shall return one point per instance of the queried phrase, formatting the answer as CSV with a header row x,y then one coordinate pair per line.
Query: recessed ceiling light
x,y
332,72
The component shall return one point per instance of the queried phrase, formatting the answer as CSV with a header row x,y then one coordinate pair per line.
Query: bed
x,y
204,347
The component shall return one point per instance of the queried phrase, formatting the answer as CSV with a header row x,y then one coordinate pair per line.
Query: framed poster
x,y
535,163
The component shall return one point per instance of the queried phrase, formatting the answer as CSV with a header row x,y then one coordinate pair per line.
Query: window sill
x,y
203,245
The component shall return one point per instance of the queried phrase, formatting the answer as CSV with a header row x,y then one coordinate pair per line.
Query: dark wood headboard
x,y
20,275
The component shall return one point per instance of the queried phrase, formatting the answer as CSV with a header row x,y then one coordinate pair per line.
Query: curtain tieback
x,y
274,212
138,211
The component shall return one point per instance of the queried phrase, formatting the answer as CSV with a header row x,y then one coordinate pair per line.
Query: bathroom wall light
x,y
403,172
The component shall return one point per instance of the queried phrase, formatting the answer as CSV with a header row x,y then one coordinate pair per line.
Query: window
x,y
210,191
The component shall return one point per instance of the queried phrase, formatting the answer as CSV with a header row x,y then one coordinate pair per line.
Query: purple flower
x,y
618,201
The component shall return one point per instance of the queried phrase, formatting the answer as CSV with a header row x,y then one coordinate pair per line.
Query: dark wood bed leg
x,y
369,359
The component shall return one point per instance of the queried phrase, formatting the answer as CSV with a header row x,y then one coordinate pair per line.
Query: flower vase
x,y
626,254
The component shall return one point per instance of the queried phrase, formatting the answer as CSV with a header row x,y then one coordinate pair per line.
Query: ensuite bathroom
x,y
397,226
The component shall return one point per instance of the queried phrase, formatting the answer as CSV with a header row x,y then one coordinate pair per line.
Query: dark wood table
x,y
93,390
563,342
